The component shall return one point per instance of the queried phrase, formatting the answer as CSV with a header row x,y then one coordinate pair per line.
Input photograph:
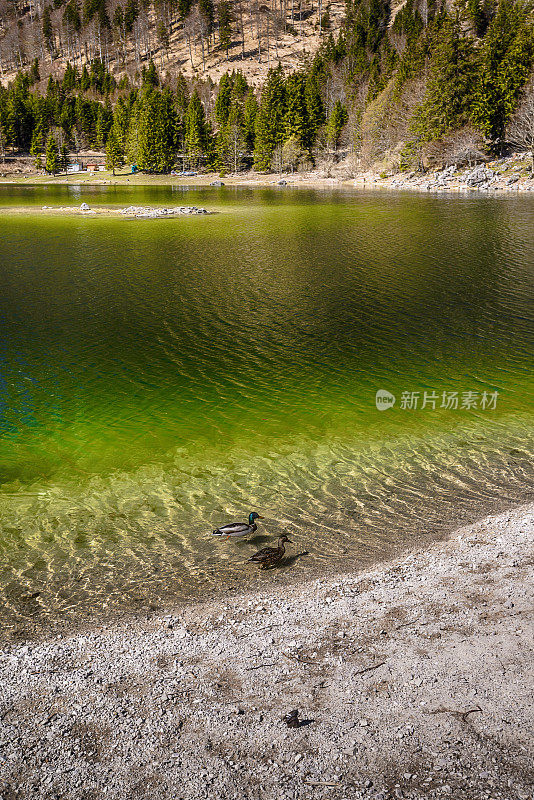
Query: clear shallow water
x,y
160,377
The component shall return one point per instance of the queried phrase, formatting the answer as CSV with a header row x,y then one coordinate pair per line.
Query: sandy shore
x,y
414,679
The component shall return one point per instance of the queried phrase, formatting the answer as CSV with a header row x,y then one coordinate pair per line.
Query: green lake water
x,y
161,377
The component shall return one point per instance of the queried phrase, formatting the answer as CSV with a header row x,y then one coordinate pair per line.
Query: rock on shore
x,y
152,212
414,679
148,211
508,174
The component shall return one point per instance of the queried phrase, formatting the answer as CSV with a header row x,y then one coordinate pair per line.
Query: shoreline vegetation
x,y
507,175
412,680
394,90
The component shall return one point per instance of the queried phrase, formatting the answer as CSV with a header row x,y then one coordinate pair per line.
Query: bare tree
x,y
520,131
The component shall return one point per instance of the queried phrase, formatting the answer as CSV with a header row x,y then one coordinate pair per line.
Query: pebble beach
x,y
413,679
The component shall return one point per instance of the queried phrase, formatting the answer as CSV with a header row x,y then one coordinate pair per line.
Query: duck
x,y
271,556
237,530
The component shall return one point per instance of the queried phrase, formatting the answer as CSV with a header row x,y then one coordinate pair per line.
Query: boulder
x,y
479,175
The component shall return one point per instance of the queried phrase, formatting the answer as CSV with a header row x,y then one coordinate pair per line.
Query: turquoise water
x,y
161,377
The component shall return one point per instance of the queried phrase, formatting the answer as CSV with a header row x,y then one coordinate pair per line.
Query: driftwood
x,y
322,783
368,669
457,713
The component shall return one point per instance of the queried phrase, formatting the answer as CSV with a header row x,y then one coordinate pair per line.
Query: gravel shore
x,y
413,679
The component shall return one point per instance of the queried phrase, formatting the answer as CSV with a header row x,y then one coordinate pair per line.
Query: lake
x,y
161,377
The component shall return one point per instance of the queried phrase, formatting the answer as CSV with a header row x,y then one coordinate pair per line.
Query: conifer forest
x,y
423,83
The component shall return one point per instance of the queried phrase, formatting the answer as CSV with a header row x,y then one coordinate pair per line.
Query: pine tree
x,y
336,122
85,80
35,76
63,158
270,120
150,75
156,131
196,132
182,94
52,156
222,103
48,31
296,115
506,60
114,151
250,113
224,15
314,107
452,75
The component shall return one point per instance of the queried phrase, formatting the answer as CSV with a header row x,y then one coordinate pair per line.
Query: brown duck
x,y
271,556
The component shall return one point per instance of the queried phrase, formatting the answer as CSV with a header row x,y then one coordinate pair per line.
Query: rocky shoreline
x,y
412,680
139,212
502,175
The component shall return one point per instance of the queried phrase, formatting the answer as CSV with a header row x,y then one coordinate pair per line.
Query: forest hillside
x,y
169,84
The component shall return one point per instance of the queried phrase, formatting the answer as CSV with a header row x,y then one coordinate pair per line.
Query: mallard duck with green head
x,y
271,556
237,530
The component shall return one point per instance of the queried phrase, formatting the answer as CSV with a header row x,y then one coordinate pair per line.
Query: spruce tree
x,y
100,139
222,103
182,94
48,31
52,156
250,113
114,151
150,76
452,76
156,131
314,107
196,132
85,80
224,18
63,158
132,140
270,120
121,119
506,59
36,146
35,77
336,122
69,78
231,140
296,111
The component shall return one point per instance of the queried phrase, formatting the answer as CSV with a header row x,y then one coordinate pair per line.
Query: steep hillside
x,y
195,38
